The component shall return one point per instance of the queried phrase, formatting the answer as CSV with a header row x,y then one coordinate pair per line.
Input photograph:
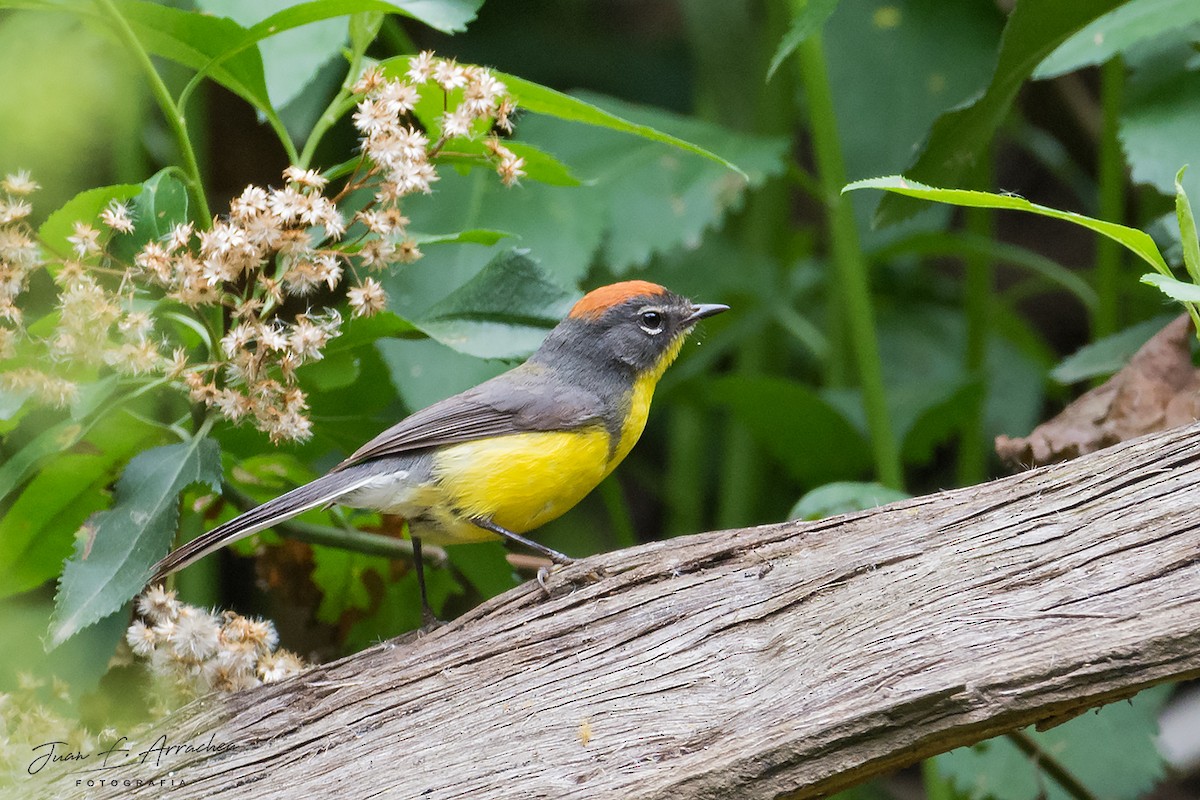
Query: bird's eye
x,y
652,321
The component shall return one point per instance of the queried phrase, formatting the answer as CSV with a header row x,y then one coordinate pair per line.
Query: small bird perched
x,y
514,452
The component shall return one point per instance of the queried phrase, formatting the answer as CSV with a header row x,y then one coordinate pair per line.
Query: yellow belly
x,y
519,481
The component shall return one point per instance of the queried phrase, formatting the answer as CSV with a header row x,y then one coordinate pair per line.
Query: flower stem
x,y
175,119
1112,200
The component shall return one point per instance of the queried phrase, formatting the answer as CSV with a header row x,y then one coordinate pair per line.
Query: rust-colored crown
x,y
597,301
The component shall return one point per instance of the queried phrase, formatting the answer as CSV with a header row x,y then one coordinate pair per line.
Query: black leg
x,y
553,555
428,620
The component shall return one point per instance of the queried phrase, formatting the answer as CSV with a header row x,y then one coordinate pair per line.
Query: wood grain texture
x,y
790,659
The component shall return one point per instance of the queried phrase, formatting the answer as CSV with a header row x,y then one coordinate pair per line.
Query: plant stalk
x,y
853,283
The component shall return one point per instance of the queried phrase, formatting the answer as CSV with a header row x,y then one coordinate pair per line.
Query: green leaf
x,y
481,236
400,609
485,566
55,439
1187,228
1033,31
539,165
1138,242
1173,288
807,20
158,207
1105,356
84,207
339,575
112,564
300,39
503,312
543,100
791,422
1111,752
843,497
38,528
1117,31
447,16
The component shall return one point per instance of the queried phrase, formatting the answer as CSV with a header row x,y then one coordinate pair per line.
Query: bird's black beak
x,y
703,310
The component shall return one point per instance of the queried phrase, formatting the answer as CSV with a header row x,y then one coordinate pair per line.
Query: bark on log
x,y
788,659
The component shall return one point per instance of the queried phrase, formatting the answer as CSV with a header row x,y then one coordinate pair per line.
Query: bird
x,y
512,453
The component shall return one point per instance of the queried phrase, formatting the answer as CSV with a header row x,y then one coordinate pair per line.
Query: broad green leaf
x,y
339,576
1115,32
112,563
1033,31
503,312
1105,356
843,497
791,422
1157,126
84,207
294,51
543,100
1135,240
1187,229
1111,752
159,206
200,41
808,16
38,528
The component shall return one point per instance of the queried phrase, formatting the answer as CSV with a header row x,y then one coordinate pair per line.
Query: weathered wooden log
x,y
797,658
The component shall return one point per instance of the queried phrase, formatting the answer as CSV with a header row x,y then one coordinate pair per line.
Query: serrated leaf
x,y
37,529
1173,288
157,208
299,43
1105,356
806,21
84,207
1117,31
1138,242
957,137
112,564
843,497
503,312
1111,752
544,100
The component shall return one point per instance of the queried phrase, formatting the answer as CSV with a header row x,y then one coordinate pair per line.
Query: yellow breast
x,y
519,481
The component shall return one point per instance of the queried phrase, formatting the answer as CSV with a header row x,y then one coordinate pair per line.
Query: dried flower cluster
x,y
272,268
196,651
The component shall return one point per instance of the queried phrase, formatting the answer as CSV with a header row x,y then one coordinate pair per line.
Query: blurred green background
x,y
887,356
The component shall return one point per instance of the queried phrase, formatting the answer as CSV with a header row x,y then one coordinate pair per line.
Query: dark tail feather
x,y
323,490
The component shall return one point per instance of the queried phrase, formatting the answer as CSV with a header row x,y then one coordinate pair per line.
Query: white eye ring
x,y
651,321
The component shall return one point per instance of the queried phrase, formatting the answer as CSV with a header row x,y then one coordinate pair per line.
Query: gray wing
x,y
505,404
